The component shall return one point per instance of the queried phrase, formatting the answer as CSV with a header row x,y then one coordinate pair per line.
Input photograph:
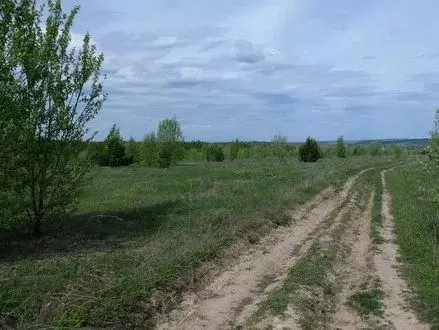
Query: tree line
x,y
166,147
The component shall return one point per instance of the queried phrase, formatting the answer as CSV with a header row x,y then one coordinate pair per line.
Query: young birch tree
x,y
49,91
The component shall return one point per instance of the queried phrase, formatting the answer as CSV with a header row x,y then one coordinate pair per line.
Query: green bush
x,y
341,149
214,153
310,151
165,155
133,151
113,152
279,145
149,150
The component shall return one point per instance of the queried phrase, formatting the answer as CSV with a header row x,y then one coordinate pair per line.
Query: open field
x,y
140,237
415,207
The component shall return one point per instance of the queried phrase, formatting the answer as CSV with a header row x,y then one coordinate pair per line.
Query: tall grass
x,y
416,213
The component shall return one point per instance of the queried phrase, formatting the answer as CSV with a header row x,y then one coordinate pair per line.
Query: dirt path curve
x,y
354,271
233,295
396,308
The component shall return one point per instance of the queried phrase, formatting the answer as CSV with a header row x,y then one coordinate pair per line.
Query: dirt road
x,y
335,225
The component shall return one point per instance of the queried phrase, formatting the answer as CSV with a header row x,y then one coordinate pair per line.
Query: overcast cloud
x,y
250,69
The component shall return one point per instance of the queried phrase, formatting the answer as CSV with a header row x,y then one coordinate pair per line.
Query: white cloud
x,y
254,67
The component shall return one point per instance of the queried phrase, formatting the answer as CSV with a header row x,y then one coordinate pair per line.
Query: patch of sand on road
x,y
396,309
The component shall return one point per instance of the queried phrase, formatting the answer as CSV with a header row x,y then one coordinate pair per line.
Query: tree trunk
x,y
37,225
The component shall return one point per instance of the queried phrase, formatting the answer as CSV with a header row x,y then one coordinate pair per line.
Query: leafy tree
x,y
341,149
165,154
49,92
179,152
169,137
310,151
214,153
279,143
149,150
169,130
132,151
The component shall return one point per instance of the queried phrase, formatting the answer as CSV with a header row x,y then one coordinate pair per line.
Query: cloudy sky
x,y
250,69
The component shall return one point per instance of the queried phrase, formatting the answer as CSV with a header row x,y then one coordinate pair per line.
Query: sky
x,y
250,69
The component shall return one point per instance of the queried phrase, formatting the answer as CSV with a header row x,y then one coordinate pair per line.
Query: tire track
x,y
233,295
397,311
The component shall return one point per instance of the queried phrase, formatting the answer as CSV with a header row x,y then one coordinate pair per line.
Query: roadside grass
x,y
377,218
367,301
416,210
140,237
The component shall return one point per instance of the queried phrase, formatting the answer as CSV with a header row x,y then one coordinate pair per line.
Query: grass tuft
x,y
367,302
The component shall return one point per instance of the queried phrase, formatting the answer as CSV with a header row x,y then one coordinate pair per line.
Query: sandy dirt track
x,y
235,295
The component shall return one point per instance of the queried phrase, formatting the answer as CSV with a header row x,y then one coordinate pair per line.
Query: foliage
x,y
341,149
415,209
310,151
49,92
114,153
132,151
149,150
397,151
169,130
165,154
214,153
279,143
359,150
375,148
169,139
234,150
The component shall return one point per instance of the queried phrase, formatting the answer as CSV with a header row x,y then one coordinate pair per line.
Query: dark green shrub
x,y
133,151
214,153
149,150
341,149
113,153
165,154
310,151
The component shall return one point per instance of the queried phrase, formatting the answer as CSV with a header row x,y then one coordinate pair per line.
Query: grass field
x,y
140,236
416,212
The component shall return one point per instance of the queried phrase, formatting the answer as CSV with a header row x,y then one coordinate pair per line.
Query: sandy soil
x,y
233,295
395,288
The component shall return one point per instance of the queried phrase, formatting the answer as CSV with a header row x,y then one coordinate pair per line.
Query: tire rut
x,y
355,271
234,295
345,225
395,288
